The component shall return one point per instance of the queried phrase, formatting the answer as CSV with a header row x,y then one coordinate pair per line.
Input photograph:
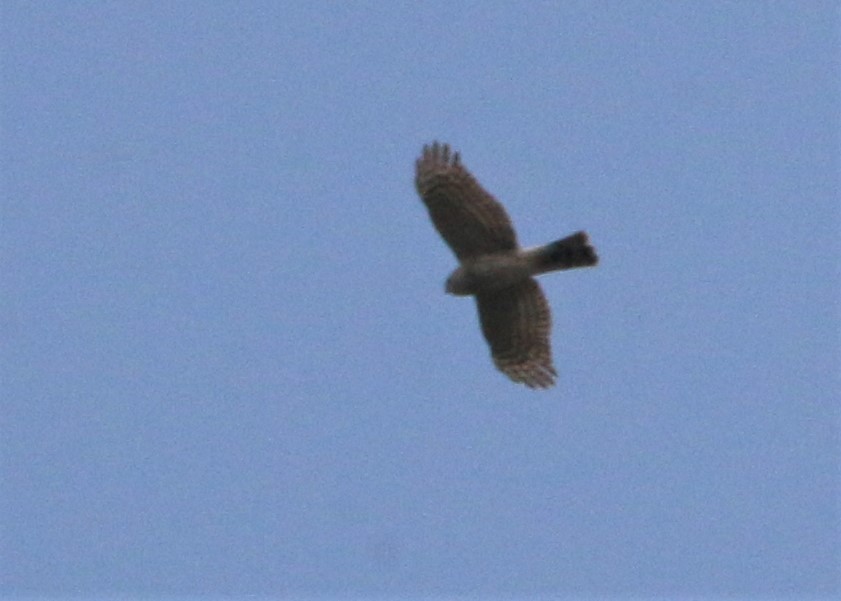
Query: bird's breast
x,y
491,272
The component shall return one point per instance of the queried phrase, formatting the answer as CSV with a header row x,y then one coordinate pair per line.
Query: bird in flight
x,y
513,311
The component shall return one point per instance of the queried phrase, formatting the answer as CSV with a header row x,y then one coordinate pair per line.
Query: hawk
x,y
513,312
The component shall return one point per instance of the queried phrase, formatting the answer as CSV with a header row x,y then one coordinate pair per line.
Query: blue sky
x,y
228,364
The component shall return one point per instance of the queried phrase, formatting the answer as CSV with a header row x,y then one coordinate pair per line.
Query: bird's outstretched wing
x,y
469,219
516,322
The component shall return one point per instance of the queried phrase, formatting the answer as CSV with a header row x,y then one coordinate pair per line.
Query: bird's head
x,y
458,283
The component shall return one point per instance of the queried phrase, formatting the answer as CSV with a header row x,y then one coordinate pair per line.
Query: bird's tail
x,y
566,253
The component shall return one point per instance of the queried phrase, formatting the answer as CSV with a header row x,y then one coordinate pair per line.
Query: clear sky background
x,y
228,364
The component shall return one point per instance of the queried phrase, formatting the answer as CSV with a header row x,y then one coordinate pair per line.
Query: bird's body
x,y
513,311
488,273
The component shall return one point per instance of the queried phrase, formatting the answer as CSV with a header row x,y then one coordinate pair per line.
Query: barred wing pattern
x,y
516,322
469,219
